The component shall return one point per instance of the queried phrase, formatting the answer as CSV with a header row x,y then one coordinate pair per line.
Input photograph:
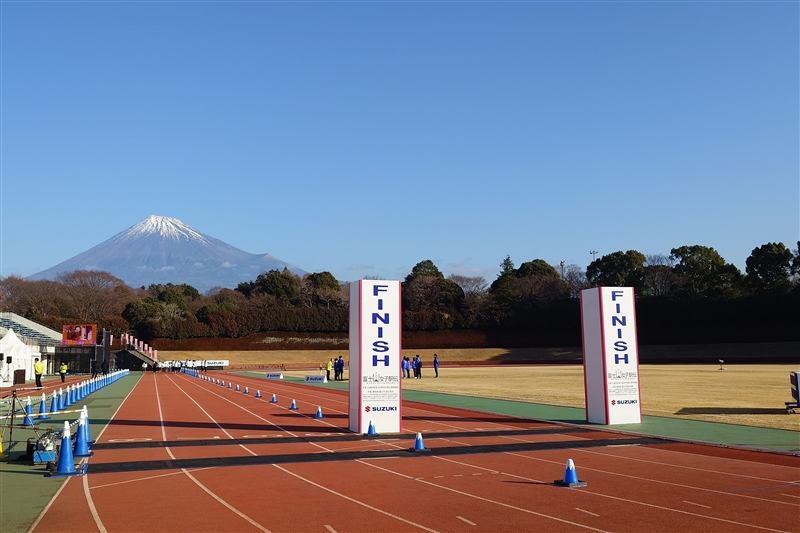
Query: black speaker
x,y
8,359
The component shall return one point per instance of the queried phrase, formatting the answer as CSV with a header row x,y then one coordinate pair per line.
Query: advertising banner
x,y
375,356
610,356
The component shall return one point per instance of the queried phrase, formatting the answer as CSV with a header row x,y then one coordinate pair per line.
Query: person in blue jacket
x,y
436,365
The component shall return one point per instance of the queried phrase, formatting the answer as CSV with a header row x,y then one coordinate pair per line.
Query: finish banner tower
x,y
610,356
375,356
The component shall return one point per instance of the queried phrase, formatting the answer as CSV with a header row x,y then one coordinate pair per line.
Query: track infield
x,y
187,454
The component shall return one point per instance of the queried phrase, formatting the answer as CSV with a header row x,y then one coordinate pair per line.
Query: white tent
x,y
21,356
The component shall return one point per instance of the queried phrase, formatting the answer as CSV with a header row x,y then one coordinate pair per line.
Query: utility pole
x,y
594,254
562,263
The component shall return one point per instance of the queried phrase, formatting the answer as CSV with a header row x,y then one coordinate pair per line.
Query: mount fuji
x,y
165,250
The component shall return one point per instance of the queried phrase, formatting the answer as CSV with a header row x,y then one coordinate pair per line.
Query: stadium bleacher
x,y
47,337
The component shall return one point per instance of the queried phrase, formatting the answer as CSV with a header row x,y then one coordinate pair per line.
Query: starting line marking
x,y
329,528
196,438
467,521
587,512
130,440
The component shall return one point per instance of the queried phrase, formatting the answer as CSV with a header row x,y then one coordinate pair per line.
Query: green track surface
x,y
24,489
657,426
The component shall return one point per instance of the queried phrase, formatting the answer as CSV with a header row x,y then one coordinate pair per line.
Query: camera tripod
x,y
8,421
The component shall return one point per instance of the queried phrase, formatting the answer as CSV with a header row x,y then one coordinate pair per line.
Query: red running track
x,y
184,454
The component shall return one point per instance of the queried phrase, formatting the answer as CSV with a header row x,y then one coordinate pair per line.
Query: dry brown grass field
x,y
752,395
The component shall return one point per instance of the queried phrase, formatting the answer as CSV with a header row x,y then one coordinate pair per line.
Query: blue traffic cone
x,y
419,446
81,440
60,400
319,413
258,393
293,406
371,430
54,403
43,408
570,477
28,421
246,390
66,463
89,440
274,399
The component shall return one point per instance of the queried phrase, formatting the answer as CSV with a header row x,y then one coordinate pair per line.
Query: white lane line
x,y
251,413
697,504
89,501
329,528
586,491
481,498
465,520
583,491
358,502
46,507
100,527
710,458
594,452
144,479
692,487
790,495
251,452
226,504
194,479
585,511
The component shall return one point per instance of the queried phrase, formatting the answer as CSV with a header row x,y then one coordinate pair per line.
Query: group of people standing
x,y
415,364
337,365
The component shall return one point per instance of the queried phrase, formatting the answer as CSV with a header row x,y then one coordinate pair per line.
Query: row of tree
x,y
281,301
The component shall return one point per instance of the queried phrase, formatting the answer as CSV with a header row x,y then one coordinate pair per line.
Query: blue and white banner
x,y
316,379
375,356
272,375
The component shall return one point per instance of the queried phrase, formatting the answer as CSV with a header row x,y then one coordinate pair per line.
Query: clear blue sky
x,y
364,137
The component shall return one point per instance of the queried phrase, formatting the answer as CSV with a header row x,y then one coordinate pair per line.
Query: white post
x,y
610,356
375,356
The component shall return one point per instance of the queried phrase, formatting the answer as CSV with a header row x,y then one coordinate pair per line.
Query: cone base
x,y
562,483
88,454
80,470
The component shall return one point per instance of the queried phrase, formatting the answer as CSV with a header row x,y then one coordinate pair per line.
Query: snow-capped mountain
x,y
165,250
